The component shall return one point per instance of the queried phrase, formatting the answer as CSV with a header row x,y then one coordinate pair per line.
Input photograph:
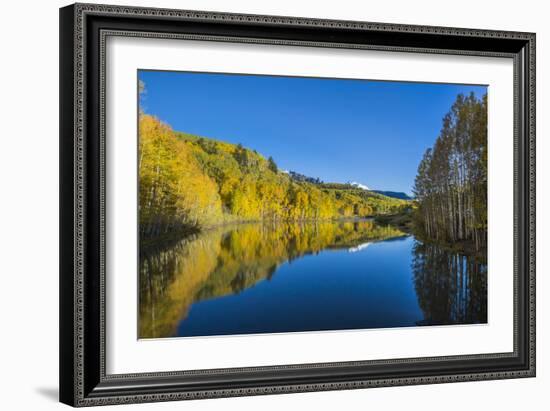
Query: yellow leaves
x,y
175,194
192,182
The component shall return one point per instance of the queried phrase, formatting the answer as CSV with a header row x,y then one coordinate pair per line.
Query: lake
x,y
309,276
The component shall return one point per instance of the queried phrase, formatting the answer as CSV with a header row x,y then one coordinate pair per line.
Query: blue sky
x,y
371,132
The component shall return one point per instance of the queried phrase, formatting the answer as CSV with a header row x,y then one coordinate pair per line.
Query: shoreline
x,y
405,223
190,232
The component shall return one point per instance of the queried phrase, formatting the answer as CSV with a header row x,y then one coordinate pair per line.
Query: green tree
x,y
272,165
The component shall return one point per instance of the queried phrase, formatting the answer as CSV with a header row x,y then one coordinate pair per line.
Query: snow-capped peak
x,y
359,185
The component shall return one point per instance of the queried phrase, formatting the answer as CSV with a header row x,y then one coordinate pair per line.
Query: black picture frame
x,y
83,30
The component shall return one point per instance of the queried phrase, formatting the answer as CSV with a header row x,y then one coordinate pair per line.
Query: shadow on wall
x,y
50,393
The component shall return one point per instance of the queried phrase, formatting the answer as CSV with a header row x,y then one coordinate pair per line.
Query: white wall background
x,y
29,204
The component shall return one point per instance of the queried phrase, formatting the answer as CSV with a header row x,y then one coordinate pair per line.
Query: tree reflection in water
x,y
451,288
227,260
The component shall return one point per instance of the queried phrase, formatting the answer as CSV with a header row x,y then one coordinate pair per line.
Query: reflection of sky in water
x,y
329,291
358,248
258,278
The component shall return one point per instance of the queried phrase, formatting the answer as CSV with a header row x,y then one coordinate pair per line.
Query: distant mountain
x,y
359,185
394,194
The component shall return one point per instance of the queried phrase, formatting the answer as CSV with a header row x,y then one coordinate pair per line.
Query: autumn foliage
x,y
188,183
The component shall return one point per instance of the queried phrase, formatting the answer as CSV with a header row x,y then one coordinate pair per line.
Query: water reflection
x,y
451,288
254,278
227,260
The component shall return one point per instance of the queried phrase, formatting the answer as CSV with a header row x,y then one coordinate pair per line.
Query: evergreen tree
x,y
272,165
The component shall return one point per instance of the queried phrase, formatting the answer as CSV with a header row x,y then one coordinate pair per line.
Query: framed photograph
x,y
261,204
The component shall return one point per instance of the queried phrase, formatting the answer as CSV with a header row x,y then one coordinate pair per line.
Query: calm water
x,y
265,278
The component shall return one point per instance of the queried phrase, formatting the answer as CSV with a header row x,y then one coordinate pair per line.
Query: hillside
x,y
188,183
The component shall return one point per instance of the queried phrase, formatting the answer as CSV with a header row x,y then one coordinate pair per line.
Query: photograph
x,y
279,204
